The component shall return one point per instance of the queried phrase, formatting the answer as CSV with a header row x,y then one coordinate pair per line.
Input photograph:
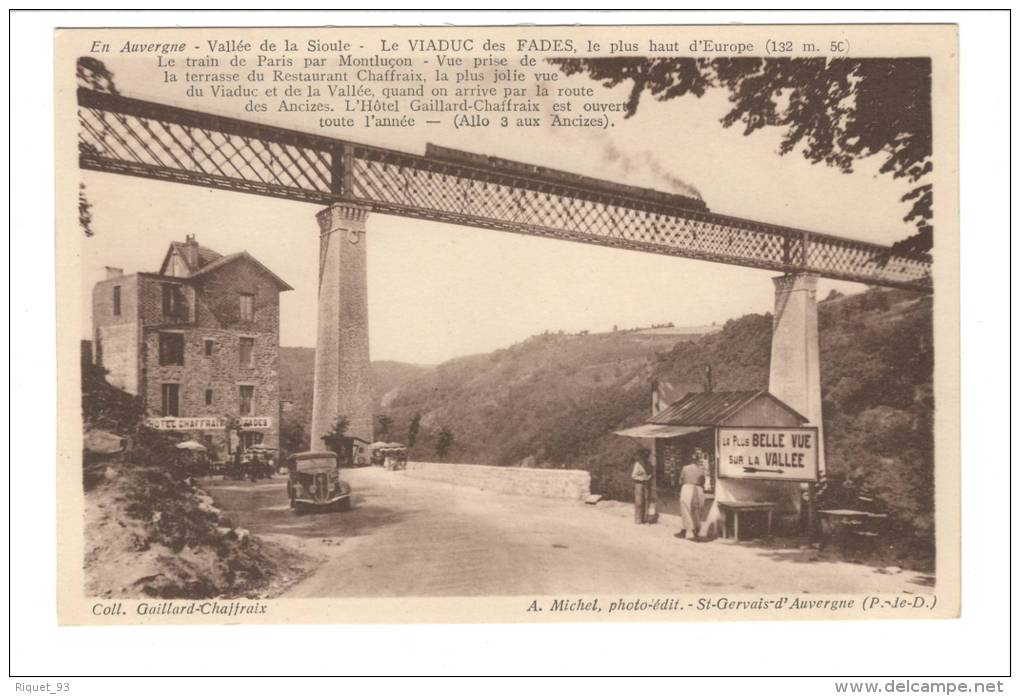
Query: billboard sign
x,y
777,454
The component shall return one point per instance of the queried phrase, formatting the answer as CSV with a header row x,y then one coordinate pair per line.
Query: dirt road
x,y
408,537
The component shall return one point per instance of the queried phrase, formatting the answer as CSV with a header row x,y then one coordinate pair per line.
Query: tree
x,y
836,110
412,430
293,436
443,442
84,211
92,73
337,440
382,426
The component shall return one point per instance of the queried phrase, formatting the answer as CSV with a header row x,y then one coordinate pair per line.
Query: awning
x,y
649,431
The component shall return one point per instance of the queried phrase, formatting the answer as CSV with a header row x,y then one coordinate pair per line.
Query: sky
x,y
438,291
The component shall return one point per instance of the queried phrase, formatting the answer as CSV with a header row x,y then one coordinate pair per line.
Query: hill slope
x,y
150,531
297,375
558,397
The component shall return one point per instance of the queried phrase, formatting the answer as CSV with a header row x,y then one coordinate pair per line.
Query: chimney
x,y
191,251
113,272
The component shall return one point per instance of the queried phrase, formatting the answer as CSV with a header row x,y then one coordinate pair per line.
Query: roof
x,y
652,432
712,408
210,260
230,258
302,456
205,256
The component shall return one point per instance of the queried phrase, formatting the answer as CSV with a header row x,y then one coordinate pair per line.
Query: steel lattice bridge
x,y
146,139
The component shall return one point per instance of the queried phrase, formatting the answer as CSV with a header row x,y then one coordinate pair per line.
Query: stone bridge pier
x,y
342,369
795,379
794,370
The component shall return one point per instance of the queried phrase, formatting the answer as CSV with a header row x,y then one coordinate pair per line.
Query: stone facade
x,y
117,336
215,361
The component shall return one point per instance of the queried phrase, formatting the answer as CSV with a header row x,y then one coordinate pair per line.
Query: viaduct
x,y
352,181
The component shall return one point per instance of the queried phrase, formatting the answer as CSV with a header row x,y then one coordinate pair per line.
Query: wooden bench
x,y
735,508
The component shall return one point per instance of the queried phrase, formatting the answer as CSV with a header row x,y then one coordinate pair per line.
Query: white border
x,y
976,644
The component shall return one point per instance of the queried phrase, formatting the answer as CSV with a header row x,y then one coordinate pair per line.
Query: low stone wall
x,y
548,483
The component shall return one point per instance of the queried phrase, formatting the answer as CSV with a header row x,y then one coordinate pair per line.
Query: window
x,y
171,348
208,346
174,306
208,397
171,393
247,307
247,396
116,300
246,351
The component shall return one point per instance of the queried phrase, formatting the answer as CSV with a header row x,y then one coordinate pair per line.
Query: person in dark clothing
x,y
641,475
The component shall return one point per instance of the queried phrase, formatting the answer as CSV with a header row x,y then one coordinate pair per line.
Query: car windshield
x,y
315,466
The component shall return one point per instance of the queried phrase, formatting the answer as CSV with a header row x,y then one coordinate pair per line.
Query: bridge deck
x,y
146,139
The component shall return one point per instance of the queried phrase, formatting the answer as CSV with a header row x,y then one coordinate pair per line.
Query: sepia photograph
x,y
353,345
552,323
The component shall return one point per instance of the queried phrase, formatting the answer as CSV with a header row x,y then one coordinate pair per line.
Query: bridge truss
x,y
146,139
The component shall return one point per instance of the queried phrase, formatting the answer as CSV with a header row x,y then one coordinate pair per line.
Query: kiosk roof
x,y
713,408
652,432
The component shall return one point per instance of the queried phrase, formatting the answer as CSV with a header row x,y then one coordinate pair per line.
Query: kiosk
x,y
762,458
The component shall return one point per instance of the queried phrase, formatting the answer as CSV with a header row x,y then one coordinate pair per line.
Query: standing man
x,y
642,477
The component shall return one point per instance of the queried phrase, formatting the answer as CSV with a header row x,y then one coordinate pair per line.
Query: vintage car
x,y
389,455
314,482
253,464
266,458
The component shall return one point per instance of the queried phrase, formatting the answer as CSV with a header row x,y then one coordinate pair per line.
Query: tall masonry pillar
x,y
794,371
342,378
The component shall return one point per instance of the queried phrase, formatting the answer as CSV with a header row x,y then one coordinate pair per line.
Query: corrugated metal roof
x,y
652,432
711,408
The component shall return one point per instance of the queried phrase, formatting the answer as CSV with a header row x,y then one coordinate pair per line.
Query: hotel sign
x,y
209,423
255,422
204,423
778,454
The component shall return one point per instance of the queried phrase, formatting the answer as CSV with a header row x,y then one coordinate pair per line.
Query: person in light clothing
x,y
692,483
641,475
